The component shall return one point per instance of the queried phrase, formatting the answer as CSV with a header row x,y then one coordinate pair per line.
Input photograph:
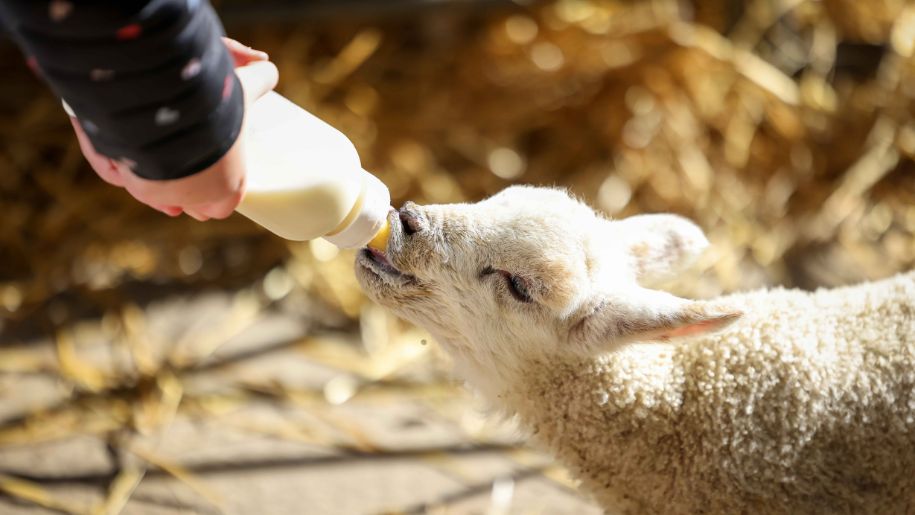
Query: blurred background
x,y
158,365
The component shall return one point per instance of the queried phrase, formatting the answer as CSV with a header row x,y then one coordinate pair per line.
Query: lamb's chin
x,y
380,278
394,297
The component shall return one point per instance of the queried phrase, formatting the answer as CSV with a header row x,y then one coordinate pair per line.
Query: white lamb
x,y
776,401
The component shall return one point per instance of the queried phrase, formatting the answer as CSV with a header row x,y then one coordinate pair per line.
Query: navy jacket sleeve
x,y
150,82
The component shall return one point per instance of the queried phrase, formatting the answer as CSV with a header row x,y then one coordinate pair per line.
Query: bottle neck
x,y
367,217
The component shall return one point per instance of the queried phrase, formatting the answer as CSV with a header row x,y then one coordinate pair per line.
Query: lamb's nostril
x,y
410,222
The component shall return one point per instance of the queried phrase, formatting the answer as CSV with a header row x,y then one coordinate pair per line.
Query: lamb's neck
x,y
628,386
485,370
599,416
633,383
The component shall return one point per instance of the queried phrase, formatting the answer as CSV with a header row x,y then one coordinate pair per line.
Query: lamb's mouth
x,y
377,263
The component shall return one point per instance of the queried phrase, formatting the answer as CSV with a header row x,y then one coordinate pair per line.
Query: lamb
x,y
778,401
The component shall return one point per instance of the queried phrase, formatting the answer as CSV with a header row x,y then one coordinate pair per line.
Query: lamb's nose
x,y
410,219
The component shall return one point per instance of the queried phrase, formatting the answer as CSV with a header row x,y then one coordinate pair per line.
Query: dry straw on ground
x,y
785,128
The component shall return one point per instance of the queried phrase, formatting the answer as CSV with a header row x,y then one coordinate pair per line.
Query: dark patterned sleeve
x,y
150,82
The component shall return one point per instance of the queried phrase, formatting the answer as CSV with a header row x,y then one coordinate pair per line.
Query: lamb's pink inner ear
x,y
691,329
704,326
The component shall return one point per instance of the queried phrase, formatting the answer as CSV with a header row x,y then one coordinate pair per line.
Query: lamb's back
x,y
807,404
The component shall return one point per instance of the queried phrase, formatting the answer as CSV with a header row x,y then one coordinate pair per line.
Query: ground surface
x,y
255,431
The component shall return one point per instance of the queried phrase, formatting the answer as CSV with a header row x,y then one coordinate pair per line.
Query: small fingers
x,y
242,54
196,215
225,207
172,211
257,79
217,211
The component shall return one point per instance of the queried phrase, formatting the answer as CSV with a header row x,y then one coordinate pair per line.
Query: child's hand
x,y
211,193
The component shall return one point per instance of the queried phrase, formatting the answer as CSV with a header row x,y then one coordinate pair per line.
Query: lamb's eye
x,y
518,287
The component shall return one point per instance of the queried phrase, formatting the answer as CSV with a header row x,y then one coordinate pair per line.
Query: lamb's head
x,y
532,271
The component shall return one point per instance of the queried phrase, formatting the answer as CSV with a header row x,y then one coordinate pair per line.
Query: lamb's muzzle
x,y
380,264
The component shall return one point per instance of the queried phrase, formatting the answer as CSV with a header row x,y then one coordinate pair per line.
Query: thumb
x,y
257,79
243,54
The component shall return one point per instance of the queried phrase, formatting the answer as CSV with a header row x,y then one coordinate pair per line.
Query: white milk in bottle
x,y
304,178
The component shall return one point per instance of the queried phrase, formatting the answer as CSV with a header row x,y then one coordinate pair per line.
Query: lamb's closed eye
x,y
517,286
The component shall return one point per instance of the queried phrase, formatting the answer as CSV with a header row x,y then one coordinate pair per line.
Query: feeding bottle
x,y
305,181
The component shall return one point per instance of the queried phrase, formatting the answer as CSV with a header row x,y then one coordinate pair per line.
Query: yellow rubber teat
x,y
380,241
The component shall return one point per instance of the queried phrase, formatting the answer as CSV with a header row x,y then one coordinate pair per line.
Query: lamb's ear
x,y
642,314
660,245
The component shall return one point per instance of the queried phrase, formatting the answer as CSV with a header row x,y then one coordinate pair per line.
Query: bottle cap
x,y
373,214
